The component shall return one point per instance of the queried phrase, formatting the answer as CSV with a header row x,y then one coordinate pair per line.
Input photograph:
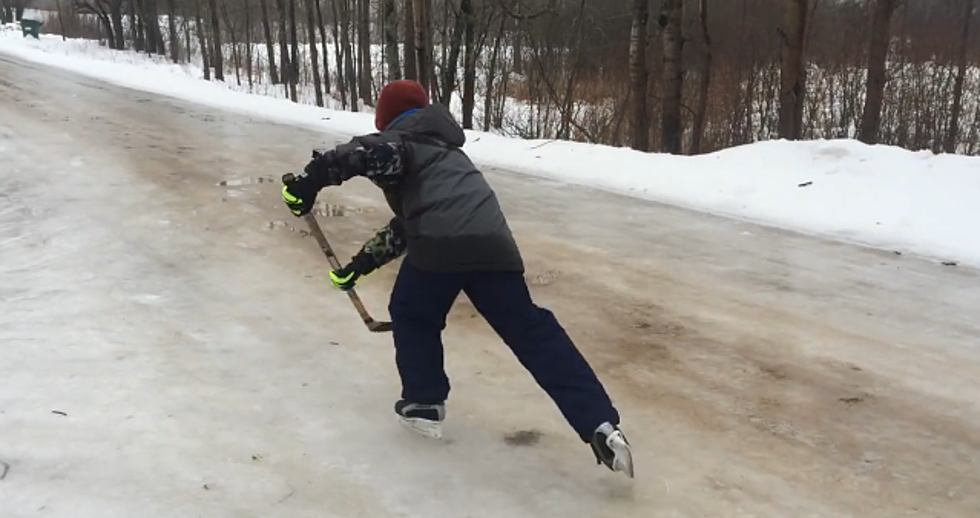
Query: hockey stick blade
x,y
379,327
373,325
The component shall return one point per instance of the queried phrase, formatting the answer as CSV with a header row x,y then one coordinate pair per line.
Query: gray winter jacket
x,y
447,218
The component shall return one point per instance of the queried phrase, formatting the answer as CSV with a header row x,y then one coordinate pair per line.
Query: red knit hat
x,y
397,97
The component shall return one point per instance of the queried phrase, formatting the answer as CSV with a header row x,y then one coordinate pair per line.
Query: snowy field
x,y
910,202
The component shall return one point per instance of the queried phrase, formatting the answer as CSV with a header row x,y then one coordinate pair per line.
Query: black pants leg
x,y
419,304
543,348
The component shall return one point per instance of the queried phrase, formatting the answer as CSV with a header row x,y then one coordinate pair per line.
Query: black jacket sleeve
x,y
379,157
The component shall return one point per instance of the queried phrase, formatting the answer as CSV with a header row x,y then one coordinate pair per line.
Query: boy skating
x,y
455,239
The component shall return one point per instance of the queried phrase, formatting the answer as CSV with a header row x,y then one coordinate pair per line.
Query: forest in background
x,y
674,76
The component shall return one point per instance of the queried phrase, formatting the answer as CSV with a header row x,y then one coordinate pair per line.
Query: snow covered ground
x,y
912,202
169,346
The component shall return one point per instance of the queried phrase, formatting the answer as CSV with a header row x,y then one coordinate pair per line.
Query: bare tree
x,y
294,57
673,42
6,12
349,73
172,30
216,48
115,13
450,63
285,74
269,42
793,77
961,64
364,50
101,9
411,61
234,35
202,40
639,76
704,73
390,18
469,61
323,44
877,54
311,36
423,40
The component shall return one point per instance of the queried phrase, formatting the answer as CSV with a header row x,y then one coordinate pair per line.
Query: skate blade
x,y
423,427
623,460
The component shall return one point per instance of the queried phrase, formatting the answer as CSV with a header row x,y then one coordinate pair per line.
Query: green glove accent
x,y
295,204
342,280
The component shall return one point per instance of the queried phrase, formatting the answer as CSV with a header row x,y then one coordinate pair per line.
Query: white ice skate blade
x,y
623,461
430,429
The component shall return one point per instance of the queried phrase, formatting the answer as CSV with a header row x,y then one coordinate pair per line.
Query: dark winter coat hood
x,y
433,121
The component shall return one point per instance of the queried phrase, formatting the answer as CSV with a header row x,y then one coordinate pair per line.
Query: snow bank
x,y
886,197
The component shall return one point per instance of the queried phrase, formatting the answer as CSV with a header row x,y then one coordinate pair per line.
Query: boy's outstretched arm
x,y
387,245
377,157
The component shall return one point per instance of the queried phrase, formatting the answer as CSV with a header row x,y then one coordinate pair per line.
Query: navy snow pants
x,y
420,302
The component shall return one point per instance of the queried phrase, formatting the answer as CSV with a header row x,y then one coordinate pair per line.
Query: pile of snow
x,y
886,197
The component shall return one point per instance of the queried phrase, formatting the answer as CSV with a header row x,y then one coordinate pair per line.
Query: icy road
x,y
169,346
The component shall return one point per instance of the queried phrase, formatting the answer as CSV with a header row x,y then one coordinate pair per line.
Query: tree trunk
x,y
187,40
391,38
235,54
877,55
323,47
284,68
146,27
421,43
115,11
311,35
248,43
201,40
107,25
161,46
639,76
704,72
430,73
139,43
492,75
411,64
269,48
671,132
364,49
217,52
469,64
294,58
349,72
954,120
172,29
518,44
793,75
341,70
451,63
61,18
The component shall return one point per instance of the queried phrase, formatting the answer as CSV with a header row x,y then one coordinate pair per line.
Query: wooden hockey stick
x,y
375,326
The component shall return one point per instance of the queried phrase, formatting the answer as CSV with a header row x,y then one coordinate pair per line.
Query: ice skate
x,y
422,419
612,449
